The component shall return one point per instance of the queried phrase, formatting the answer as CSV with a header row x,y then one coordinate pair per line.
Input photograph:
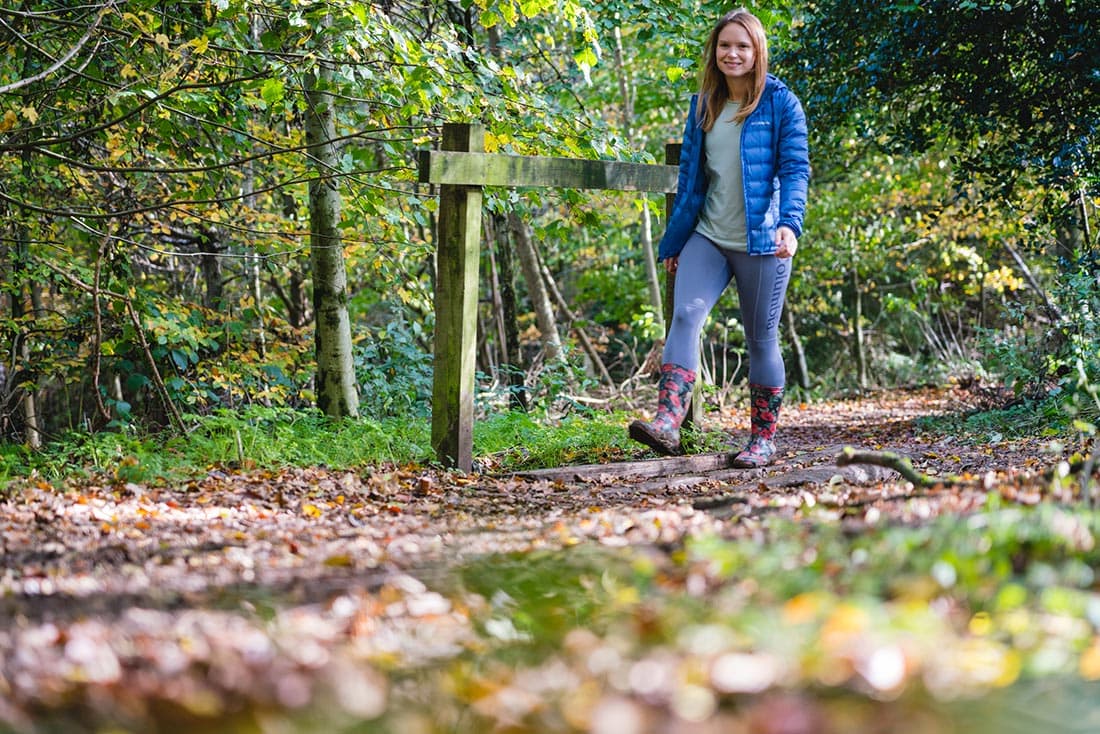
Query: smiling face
x,y
735,55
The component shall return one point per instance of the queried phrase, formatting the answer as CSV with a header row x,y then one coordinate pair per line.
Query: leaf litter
x,y
308,599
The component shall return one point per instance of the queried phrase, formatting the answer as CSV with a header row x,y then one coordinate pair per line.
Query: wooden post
x,y
672,158
456,290
461,169
694,415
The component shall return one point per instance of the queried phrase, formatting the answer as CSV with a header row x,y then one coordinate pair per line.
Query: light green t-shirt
x,y
723,217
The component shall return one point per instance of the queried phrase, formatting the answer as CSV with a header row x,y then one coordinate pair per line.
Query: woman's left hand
x,y
785,242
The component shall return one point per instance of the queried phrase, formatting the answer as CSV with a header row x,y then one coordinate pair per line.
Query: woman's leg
x,y
762,287
703,273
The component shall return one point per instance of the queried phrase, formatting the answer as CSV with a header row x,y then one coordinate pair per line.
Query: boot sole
x,y
641,435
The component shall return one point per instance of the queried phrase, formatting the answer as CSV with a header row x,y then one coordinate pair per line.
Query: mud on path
x,y
274,589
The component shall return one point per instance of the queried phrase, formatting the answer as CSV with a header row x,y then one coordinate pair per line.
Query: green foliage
x,y
987,132
252,437
1064,355
1002,599
393,370
538,598
552,389
275,437
171,173
515,440
1029,417
1018,79
1078,359
993,560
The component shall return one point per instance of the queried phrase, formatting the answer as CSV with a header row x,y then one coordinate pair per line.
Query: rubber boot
x,y
764,414
662,434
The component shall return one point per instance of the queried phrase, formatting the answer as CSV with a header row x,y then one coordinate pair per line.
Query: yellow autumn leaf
x,y
200,44
311,510
161,40
1090,662
803,608
10,118
30,113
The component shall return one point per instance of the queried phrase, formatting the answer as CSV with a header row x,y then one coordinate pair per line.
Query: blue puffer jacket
x,y
776,166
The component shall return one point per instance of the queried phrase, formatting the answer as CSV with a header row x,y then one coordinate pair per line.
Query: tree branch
x,y
891,460
60,62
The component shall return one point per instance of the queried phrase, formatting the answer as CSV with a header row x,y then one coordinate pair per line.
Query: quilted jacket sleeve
x,y
793,164
686,205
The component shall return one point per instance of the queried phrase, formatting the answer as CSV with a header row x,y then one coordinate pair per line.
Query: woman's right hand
x,y
671,263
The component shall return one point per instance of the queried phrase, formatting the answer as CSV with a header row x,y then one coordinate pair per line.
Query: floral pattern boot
x,y
765,402
662,434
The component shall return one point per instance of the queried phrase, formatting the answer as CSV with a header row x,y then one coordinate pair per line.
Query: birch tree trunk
x,y
336,390
536,289
859,349
32,431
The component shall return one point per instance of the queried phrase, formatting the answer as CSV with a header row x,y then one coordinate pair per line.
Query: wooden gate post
x,y
456,291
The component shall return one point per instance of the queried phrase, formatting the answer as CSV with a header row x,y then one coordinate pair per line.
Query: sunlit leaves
x,y
272,91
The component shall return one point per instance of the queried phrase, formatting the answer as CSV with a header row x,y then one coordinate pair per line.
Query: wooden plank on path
x,y
670,466
494,169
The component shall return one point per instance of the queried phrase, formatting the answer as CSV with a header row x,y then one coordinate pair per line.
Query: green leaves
x,y
273,91
981,63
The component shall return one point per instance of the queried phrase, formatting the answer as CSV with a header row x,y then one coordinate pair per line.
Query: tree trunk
x,y
858,346
513,353
799,353
32,430
626,91
1085,223
336,389
24,317
577,326
211,264
495,289
536,289
253,262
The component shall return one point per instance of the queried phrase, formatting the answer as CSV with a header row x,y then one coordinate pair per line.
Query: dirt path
x,y
278,590
95,548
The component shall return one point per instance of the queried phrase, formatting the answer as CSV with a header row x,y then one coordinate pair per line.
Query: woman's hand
x,y
671,263
785,242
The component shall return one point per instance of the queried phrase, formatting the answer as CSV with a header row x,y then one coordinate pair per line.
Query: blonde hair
x,y
713,91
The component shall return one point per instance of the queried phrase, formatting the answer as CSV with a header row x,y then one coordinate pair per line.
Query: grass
x,y
258,437
253,438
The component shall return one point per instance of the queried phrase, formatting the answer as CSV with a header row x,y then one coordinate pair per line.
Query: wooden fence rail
x,y
461,168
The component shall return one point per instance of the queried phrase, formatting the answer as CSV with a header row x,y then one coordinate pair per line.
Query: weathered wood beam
x,y
456,290
491,169
647,468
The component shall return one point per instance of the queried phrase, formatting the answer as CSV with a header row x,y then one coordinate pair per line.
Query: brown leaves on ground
x,y
127,599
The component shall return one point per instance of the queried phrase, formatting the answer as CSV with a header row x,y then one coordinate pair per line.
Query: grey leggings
x,y
703,273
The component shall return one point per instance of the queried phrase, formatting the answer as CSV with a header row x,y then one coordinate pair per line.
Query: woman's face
x,y
734,53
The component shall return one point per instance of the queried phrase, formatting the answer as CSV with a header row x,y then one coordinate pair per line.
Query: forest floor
x,y
259,600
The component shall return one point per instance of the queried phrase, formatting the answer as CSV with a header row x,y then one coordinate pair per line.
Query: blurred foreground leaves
x,y
403,599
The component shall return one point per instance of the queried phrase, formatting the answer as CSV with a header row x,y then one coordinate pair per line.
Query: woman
x,y
740,199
